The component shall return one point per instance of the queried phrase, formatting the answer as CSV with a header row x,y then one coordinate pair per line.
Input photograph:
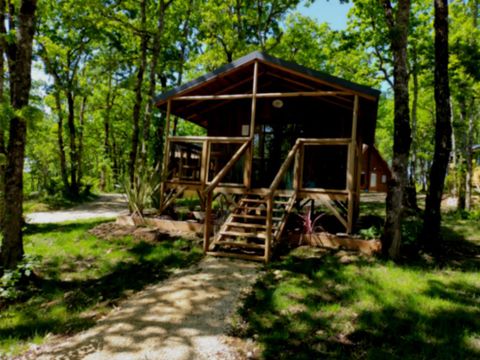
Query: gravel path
x,y
181,318
106,206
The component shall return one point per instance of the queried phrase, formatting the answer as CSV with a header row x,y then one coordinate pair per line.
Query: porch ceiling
x,y
274,75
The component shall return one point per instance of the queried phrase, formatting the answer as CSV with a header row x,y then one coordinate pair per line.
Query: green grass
x,y
315,303
49,203
80,277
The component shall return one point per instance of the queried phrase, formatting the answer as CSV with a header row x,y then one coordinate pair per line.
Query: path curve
x,y
181,318
105,206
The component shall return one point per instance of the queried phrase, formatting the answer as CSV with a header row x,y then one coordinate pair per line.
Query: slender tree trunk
x,y
454,153
410,196
398,28
72,132
469,160
443,129
20,64
81,120
61,145
461,168
3,151
162,8
106,138
138,93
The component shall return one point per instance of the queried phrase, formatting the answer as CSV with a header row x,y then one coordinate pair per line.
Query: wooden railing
x,y
296,153
208,192
196,160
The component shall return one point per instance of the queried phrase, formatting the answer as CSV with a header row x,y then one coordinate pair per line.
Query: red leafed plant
x,y
309,222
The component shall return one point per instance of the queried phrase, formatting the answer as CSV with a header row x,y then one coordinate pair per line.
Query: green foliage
x,y
372,232
11,282
141,190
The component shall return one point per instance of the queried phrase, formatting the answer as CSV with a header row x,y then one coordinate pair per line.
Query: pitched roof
x,y
268,59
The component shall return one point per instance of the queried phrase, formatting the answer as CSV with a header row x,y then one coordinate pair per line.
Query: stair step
x,y
259,217
244,234
246,216
240,244
253,201
251,208
238,256
281,202
247,225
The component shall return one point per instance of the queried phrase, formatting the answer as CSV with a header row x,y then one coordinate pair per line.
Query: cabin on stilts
x,y
276,133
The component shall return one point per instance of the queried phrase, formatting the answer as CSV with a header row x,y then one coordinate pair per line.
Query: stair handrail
x,y
281,172
269,197
221,174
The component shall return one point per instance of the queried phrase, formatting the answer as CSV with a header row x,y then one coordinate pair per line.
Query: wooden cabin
x,y
276,133
375,173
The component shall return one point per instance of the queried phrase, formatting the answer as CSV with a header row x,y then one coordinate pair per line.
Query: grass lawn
x,y
80,278
315,303
36,204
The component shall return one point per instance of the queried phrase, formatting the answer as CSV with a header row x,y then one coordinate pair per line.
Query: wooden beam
x,y
212,139
318,81
298,83
268,232
301,94
248,166
204,163
261,95
351,168
223,91
325,141
209,81
207,222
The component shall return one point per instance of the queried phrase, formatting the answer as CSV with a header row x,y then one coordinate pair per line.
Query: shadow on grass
x,y
317,303
84,225
65,307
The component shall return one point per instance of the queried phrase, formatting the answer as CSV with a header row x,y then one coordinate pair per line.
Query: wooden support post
x,y
298,169
268,240
247,176
207,222
166,150
351,182
204,163
358,174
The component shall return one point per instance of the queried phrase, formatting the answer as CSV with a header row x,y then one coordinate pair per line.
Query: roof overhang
x,y
192,101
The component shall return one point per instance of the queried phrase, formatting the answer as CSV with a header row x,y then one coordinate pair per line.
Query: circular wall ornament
x,y
277,103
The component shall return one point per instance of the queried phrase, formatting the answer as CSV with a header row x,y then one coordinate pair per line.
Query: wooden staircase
x,y
245,233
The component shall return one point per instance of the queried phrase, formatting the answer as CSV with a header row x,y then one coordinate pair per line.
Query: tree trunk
x,y
410,197
469,160
20,66
454,153
72,132
81,120
138,93
61,145
443,129
398,29
106,139
3,152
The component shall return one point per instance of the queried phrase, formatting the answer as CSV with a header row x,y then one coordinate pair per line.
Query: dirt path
x,y
107,205
182,318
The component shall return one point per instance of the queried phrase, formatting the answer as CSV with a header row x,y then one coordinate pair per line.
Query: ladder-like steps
x,y
244,233
241,244
247,225
260,235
